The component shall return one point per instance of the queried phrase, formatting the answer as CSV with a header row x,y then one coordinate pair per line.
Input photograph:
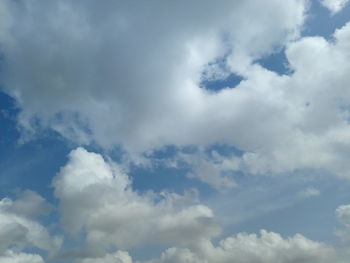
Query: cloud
x,y
343,215
210,168
129,74
12,257
97,197
99,77
246,248
30,204
334,6
18,230
268,247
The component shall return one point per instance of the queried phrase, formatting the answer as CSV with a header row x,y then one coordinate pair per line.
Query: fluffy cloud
x,y
334,6
29,204
130,75
245,248
343,215
126,74
18,229
96,196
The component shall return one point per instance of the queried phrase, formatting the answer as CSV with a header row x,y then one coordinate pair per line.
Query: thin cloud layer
x,y
334,6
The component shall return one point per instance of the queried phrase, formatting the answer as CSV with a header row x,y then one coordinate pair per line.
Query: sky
x,y
174,131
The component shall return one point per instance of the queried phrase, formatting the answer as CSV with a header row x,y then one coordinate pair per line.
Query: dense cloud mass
x,y
121,73
130,75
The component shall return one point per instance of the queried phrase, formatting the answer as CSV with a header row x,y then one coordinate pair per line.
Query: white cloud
x,y
97,197
213,168
129,75
343,215
18,229
12,257
334,6
268,247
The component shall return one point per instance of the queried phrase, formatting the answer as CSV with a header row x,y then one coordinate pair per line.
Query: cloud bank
x,y
98,205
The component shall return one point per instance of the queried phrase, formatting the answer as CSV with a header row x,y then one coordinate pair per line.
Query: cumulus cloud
x,y
30,204
97,197
18,230
246,248
130,75
334,6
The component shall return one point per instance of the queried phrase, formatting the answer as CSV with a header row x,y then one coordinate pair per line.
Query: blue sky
x,y
174,132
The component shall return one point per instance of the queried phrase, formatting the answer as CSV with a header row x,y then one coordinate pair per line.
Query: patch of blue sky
x,y
320,21
31,165
217,76
231,81
224,150
276,62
